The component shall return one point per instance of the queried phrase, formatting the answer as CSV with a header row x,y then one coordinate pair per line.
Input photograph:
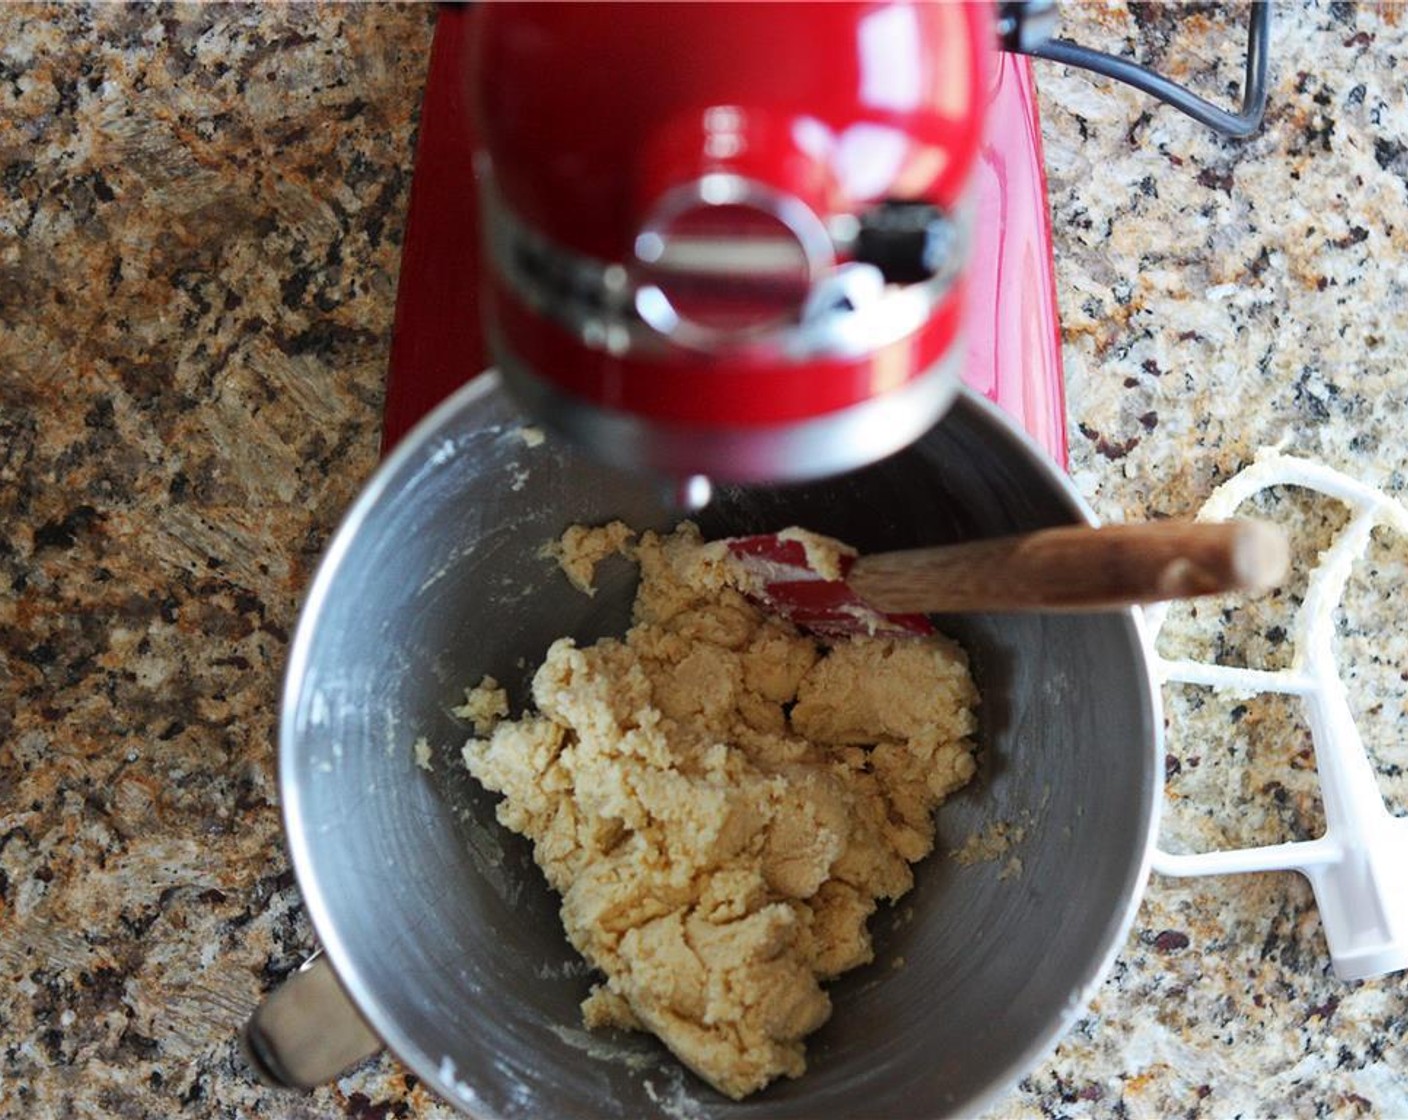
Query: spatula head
x,y
780,576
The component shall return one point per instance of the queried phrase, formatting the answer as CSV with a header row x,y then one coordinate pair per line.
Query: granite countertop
x,y
200,219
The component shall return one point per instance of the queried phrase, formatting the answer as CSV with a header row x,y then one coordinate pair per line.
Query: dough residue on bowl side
x,y
581,548
722,801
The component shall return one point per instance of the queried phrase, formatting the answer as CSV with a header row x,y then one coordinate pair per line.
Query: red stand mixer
x,y
751,243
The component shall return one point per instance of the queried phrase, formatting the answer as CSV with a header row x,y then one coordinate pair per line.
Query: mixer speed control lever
x,y
908,241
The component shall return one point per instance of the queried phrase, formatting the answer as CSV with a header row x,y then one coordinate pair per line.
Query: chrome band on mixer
x,y
849,310
793,452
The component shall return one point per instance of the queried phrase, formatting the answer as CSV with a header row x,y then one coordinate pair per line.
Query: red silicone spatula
x,y
1072,568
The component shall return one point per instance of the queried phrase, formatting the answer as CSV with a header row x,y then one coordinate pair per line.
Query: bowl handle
x,y
306,1031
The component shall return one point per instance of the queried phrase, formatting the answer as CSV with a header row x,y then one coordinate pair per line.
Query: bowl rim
x,y
438,1070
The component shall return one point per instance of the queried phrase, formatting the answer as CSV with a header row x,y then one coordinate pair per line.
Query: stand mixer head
x,y
732,244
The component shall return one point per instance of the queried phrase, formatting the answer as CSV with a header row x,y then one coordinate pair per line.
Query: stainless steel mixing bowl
x,y
441,927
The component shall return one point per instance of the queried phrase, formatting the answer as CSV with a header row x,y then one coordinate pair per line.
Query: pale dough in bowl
x,y
721,801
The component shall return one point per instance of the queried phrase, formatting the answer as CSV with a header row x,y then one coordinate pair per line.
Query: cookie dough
x,y
722,802
582,548
484,705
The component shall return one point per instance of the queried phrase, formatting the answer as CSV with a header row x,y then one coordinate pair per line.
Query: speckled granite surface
x,y
200,214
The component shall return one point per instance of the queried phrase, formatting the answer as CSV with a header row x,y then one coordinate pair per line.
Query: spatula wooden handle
x,y
1079,567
